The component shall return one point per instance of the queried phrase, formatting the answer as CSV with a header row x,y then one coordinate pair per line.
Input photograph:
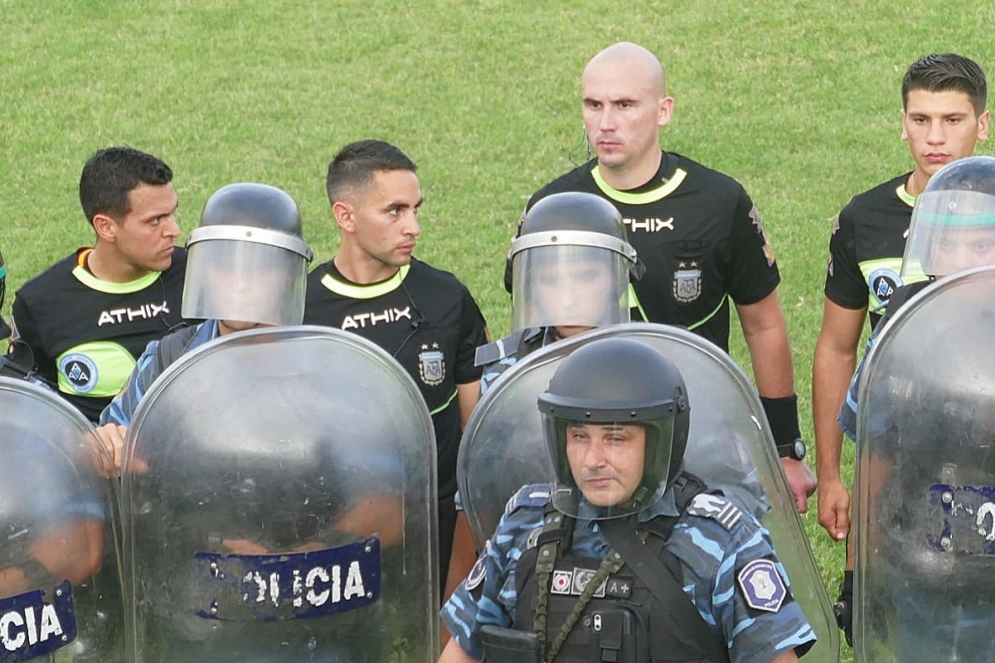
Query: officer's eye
x,y
982,246
549,280
586,276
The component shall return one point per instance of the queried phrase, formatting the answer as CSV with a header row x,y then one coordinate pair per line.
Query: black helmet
x,y
574,210
251,234
571,264
254,205
617,381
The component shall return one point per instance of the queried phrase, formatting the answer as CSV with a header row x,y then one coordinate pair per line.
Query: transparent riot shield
x,y
729,446
60,596
279,504
925,482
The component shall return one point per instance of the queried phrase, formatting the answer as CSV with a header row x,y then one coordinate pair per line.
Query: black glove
x,y
843,608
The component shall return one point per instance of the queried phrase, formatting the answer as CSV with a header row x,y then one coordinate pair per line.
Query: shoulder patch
x,y
717,508
479,570
497,350
762,586
534,496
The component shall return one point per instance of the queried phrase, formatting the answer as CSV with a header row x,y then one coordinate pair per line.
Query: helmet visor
x,y
247,281
607,469
568,285
952,230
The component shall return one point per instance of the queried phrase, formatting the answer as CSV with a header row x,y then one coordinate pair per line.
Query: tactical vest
x,y
623,622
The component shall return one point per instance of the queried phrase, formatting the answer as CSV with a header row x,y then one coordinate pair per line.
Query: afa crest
x,y
687,282
432,365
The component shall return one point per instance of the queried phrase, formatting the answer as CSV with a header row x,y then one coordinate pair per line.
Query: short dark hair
x,y
356,163
110,174
942,72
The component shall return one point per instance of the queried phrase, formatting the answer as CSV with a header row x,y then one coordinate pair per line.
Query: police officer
x,y
953,229
570,272
247,268
60,596
567,577
925,483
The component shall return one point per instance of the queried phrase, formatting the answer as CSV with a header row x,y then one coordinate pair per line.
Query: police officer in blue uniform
x,y
623,557
571,265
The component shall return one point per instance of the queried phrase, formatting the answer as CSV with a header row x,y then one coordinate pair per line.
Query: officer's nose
x,y
596,455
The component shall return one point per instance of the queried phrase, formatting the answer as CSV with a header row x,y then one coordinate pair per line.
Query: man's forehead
x,y
603,426
943,102
397,186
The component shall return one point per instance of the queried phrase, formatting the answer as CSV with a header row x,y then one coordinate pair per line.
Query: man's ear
x,y
344,216
106,227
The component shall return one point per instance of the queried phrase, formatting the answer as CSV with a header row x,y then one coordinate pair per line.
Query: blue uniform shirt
x,y
714,561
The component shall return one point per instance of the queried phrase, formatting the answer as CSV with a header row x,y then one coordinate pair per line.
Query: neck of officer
x,y
226,327
633,173
360,267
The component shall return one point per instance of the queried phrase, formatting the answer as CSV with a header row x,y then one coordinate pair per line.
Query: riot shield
x,y
925,482
729,446
60,598
279,504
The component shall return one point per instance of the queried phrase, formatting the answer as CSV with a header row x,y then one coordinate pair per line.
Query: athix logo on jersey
x,y
143,312
431,365
651,225
687,281
362,320
80,371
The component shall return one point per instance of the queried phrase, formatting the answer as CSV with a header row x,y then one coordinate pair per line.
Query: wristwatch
x,y
794,449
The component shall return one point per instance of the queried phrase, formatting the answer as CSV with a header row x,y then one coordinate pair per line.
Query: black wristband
x,y
782,415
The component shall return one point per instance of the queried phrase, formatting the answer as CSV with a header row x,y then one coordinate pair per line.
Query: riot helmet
x,y
953,223
247,258
601,400
571,264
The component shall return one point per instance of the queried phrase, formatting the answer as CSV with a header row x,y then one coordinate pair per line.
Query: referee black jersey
x,y
700,237
87,334
866,247
427,320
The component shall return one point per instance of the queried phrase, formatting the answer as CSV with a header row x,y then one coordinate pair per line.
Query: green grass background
x,y
798,100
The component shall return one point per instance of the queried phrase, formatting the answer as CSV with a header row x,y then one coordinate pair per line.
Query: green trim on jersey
x,y
635,303
100,367
905,196
442,408
646,198
695,325
354,291
92,282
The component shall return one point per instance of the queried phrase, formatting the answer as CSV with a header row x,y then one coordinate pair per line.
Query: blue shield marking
x,y
962,519
33,624
290,585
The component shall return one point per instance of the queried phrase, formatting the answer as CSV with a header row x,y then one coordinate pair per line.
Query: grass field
x,y
798,100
